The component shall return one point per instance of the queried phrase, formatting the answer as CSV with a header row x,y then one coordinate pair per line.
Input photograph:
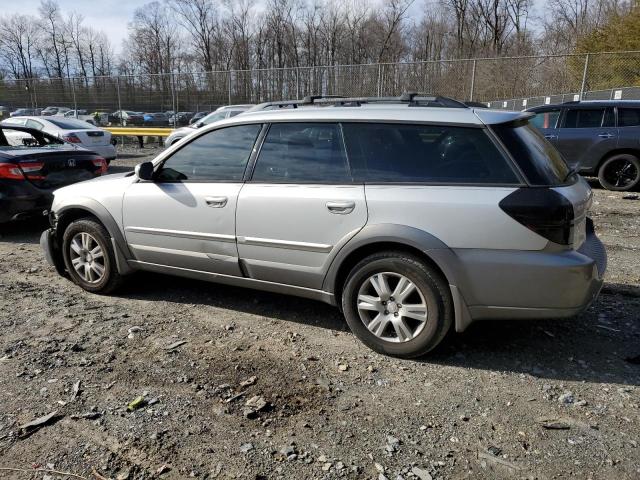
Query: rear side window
x,y
584,118
541,163
546,119
220,155
628,117
302,153
424,153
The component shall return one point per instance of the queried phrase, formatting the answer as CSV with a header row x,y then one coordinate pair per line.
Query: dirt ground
x,y
551,399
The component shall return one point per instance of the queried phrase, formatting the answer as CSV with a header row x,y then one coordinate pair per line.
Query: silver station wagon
x,y
413,215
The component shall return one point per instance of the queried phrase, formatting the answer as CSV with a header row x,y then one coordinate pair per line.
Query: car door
x,y
185,217
300,206
546,120
586,135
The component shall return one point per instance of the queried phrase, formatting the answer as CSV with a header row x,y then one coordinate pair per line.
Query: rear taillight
x,y
71,138
542,210
101,163
11,171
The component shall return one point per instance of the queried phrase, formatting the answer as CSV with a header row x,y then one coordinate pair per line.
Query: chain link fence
x,y
506,82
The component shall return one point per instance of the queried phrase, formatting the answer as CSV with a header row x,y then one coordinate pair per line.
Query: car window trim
x,y
157,167
351,180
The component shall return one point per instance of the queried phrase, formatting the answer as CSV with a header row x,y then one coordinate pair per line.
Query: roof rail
x,y
413,99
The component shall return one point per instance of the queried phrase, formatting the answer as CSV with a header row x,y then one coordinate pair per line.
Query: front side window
x,y
424,154
584,118
546,119
629,117
302,153
220,155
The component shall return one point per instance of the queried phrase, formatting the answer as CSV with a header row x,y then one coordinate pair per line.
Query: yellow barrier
x,y
140,132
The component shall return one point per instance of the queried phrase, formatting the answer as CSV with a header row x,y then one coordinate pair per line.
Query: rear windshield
x,y
70,124
541,163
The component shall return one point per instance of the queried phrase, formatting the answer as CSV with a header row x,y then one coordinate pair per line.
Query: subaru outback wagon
x,y
413,215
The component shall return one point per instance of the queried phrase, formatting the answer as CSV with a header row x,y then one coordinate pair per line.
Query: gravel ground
x,y
268,386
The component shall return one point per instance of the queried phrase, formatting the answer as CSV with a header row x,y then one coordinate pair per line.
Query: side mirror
x,y
144,171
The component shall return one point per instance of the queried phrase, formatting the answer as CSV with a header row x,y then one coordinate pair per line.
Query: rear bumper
x,y
20,199
496,284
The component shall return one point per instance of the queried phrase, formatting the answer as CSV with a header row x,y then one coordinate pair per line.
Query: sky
x,y
111,16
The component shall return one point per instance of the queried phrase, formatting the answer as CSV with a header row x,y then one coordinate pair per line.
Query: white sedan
x,y
71,130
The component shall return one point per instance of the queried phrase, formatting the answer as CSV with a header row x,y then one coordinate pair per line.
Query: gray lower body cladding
x,y
512,284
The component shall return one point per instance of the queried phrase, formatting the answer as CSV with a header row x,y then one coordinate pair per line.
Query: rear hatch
x,y
54,167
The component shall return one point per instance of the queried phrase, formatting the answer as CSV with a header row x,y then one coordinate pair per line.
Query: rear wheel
x,y
620,172
89,257
397,305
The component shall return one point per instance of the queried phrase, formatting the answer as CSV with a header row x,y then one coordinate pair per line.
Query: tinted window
x,y
220,155
629,117
302,153
584,118
424,153
546,119
541,163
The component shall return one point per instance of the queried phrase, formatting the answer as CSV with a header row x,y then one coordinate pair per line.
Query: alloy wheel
x,y
392,307
87,257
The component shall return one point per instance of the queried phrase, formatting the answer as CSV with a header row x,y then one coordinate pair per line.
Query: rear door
x,y
629,127
300,205
185,218
586,135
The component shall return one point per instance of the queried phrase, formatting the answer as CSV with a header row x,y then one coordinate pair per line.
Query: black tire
x,y
620,172
430,284
111,279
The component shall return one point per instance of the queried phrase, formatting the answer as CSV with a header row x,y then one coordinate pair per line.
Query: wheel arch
x,y
419,243
87,207
618,151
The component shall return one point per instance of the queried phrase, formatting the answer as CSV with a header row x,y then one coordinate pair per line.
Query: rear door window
x,y
302,153
546,119
629,117
406,153
584,118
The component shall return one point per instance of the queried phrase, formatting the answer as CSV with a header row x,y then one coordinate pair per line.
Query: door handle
x,y
341,208
605,135
550,136
216,202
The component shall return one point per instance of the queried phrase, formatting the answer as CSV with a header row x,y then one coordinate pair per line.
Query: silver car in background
x,y
71,130
414,215
221,113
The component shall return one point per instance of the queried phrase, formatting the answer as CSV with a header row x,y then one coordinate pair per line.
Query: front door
x,y
185,217
300,205
546,121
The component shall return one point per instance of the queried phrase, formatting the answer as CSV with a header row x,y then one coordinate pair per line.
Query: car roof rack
x,y
413,99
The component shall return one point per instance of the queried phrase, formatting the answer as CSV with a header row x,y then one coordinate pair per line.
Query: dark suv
x,y
596,138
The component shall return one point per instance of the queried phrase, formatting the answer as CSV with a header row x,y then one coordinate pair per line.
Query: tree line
x,y
209,35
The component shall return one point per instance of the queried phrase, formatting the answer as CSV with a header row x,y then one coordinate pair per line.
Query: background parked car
x,y
49,111
70,130
26,111
596,138
33,164
125,118
198,116
180,118
156,120
220,114
4,112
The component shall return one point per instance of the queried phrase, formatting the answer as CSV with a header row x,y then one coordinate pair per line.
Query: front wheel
x,y
620,173
397,304
89,257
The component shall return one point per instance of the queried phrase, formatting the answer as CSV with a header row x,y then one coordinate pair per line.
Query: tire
x,y
430,289
75,233
620,173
